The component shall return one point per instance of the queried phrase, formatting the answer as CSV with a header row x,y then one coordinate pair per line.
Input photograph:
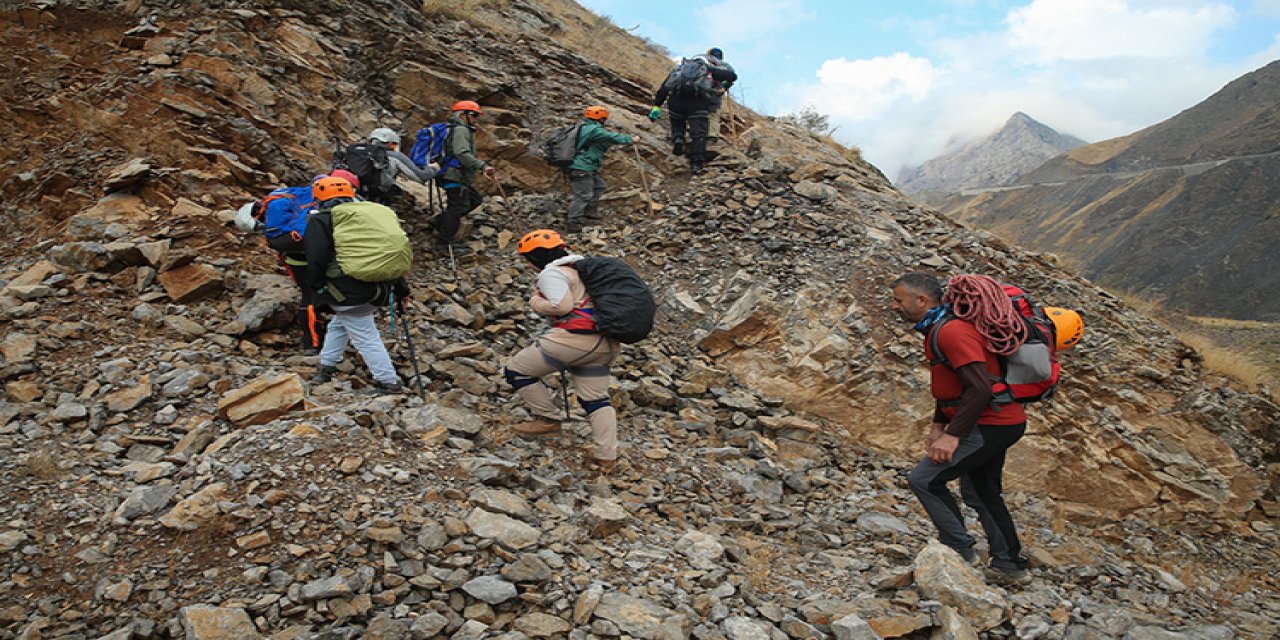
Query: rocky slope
x,y
1183,212
166,472
997,160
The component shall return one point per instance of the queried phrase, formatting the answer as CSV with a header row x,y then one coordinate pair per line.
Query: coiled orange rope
x,y
982,301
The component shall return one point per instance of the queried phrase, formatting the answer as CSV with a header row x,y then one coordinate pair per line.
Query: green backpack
x,y
369,243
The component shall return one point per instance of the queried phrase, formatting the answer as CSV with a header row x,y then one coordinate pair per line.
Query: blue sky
x,y
906,80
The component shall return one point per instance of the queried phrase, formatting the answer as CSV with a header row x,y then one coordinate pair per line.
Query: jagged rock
x,y
944,576
743,628
128,398
428,625
203,622
502,502
262,400
84,256
191,282
10,540
541,625
527,568
953,626
35,274
637,617
507,531
817,191
490,589
586,605
127,175
853,627
145,500
703,550
18,347
196,510
877,522
270,308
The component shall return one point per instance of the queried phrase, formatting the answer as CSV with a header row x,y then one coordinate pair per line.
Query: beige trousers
x,y
587,358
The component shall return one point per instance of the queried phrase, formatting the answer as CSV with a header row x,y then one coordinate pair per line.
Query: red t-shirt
x,y
960,341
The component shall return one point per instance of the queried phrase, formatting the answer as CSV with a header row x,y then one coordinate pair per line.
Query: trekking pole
x,y
408,341
506,203
733,125
643,180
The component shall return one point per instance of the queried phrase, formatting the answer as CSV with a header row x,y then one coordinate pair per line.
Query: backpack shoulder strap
x,y
938,356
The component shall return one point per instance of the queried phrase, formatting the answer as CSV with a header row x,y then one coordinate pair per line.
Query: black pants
x,y
459,201
979,464
697,123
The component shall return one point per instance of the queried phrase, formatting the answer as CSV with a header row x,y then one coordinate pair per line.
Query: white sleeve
x,y
554,284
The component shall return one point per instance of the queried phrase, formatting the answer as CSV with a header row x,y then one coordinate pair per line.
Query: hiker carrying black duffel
x,y
594,304
377,162
691,93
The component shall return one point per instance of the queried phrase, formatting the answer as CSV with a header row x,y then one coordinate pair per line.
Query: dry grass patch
x,y
1228,361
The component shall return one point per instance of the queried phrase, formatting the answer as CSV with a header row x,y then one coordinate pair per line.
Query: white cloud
x,y
732,22
865,89
1049,31
1095,69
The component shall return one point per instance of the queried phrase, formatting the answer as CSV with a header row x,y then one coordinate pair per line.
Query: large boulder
x,y
263,400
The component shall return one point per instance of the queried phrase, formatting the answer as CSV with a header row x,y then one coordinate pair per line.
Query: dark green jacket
x,y
593,141
461,144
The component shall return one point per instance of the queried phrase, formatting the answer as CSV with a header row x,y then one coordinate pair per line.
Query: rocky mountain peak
x,y
167,471
1020,145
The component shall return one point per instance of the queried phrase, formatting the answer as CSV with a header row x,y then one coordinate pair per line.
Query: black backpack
x,y
623,304
692,79
562,147
367,160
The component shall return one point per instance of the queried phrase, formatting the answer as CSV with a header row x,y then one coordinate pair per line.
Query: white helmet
x,y
385,135
245,220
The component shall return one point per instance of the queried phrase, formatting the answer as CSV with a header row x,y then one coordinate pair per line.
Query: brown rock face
x,y
263,400
191,282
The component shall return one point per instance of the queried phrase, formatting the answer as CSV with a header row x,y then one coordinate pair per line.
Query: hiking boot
x,y
696,169
602,466
1007,577
538,426
970,556
387,388
678,148
324,374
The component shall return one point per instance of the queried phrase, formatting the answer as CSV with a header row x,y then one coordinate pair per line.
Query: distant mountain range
x,y
1186,211
1021,145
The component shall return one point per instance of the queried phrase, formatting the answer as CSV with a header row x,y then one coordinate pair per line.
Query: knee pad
x,y
517,380
591,406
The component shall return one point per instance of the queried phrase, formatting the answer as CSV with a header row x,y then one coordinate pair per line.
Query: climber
x,y
339,216
968,438
457,181
377,162
692,89
281,217
571,344
714,57
584,172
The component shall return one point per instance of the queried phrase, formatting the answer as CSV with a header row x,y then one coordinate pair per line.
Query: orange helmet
x,y
330,188
595,112
540,239
467,105
1067,326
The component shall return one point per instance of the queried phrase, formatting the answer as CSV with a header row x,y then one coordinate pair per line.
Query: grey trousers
x,y
587,189
979,465
357,326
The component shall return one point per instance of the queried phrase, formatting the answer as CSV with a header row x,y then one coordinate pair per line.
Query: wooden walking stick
x,y
506,203
653,206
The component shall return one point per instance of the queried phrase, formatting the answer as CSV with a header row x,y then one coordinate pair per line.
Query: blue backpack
x,y
429,147
285,211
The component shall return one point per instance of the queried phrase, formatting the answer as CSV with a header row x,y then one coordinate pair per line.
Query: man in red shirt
x,y
969,437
